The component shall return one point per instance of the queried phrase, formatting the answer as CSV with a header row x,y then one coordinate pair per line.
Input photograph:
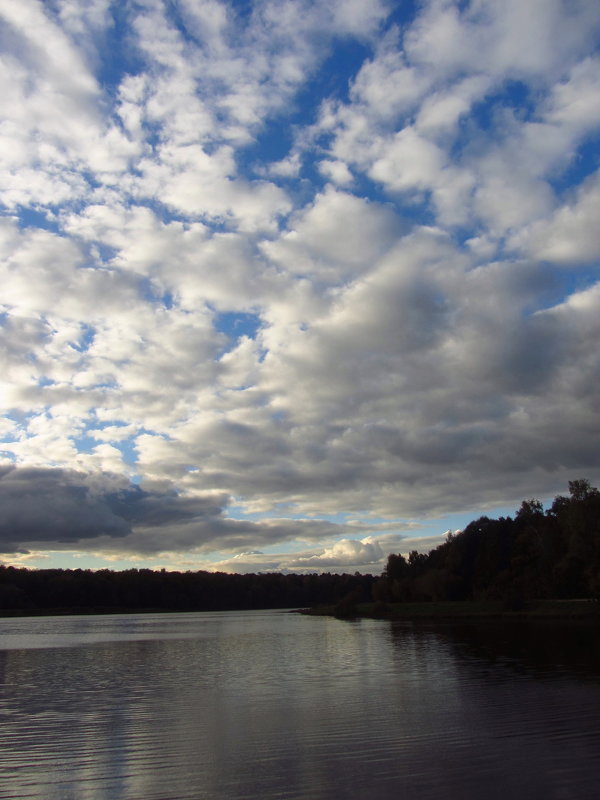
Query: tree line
x,y
535,555
84,590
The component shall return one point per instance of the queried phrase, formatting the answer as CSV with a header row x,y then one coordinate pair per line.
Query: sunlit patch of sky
x,y
118,55
34,218
582,163
235,324
512,97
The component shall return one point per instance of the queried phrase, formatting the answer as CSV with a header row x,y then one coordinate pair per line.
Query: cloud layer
x,y
293,272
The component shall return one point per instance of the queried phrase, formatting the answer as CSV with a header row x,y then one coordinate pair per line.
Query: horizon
x,y
291,286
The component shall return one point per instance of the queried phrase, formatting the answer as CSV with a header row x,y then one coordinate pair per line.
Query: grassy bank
x,y
539,609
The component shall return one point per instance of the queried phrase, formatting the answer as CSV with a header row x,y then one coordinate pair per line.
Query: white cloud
x,y
335,238
441,111
337,172
574,100
286,168
357,17
570,235
344,552
514,38
408,162
385,85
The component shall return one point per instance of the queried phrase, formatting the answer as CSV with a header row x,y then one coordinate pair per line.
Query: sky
x,y
292,284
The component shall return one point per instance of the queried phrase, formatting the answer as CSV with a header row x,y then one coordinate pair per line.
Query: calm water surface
x,y
276,705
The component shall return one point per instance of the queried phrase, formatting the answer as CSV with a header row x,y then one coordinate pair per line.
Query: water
x,y
276,705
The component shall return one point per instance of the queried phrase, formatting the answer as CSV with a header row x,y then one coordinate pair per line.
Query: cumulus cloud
x,y
299,259
335,238
344,552
569,235
367,555
346,555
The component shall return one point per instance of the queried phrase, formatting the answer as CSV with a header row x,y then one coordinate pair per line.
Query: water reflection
x,y
540,648
272,705
519,719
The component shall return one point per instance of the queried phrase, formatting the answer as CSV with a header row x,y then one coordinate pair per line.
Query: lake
x,y
268,704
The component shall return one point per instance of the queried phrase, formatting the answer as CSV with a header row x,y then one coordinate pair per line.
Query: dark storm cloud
x,y
60,506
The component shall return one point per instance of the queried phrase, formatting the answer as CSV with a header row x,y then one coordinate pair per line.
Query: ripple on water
x,y
268,705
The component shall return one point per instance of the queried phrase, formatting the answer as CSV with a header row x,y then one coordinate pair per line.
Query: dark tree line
x,y
537,555
105,590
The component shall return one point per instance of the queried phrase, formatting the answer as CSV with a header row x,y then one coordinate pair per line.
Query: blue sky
x,y
292,285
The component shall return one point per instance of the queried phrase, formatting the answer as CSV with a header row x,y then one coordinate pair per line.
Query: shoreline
x,y
563,610
580,609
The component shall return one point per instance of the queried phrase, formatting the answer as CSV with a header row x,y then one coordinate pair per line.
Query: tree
x,y
581,490
530,509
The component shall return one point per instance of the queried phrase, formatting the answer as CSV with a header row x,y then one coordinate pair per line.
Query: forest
x,y
105,591
537,554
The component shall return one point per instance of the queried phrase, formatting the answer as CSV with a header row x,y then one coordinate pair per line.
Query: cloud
x,y
367,555
54,505
407,162
404,204
570,235
344,552
413,120
336,237
337,172
62,508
